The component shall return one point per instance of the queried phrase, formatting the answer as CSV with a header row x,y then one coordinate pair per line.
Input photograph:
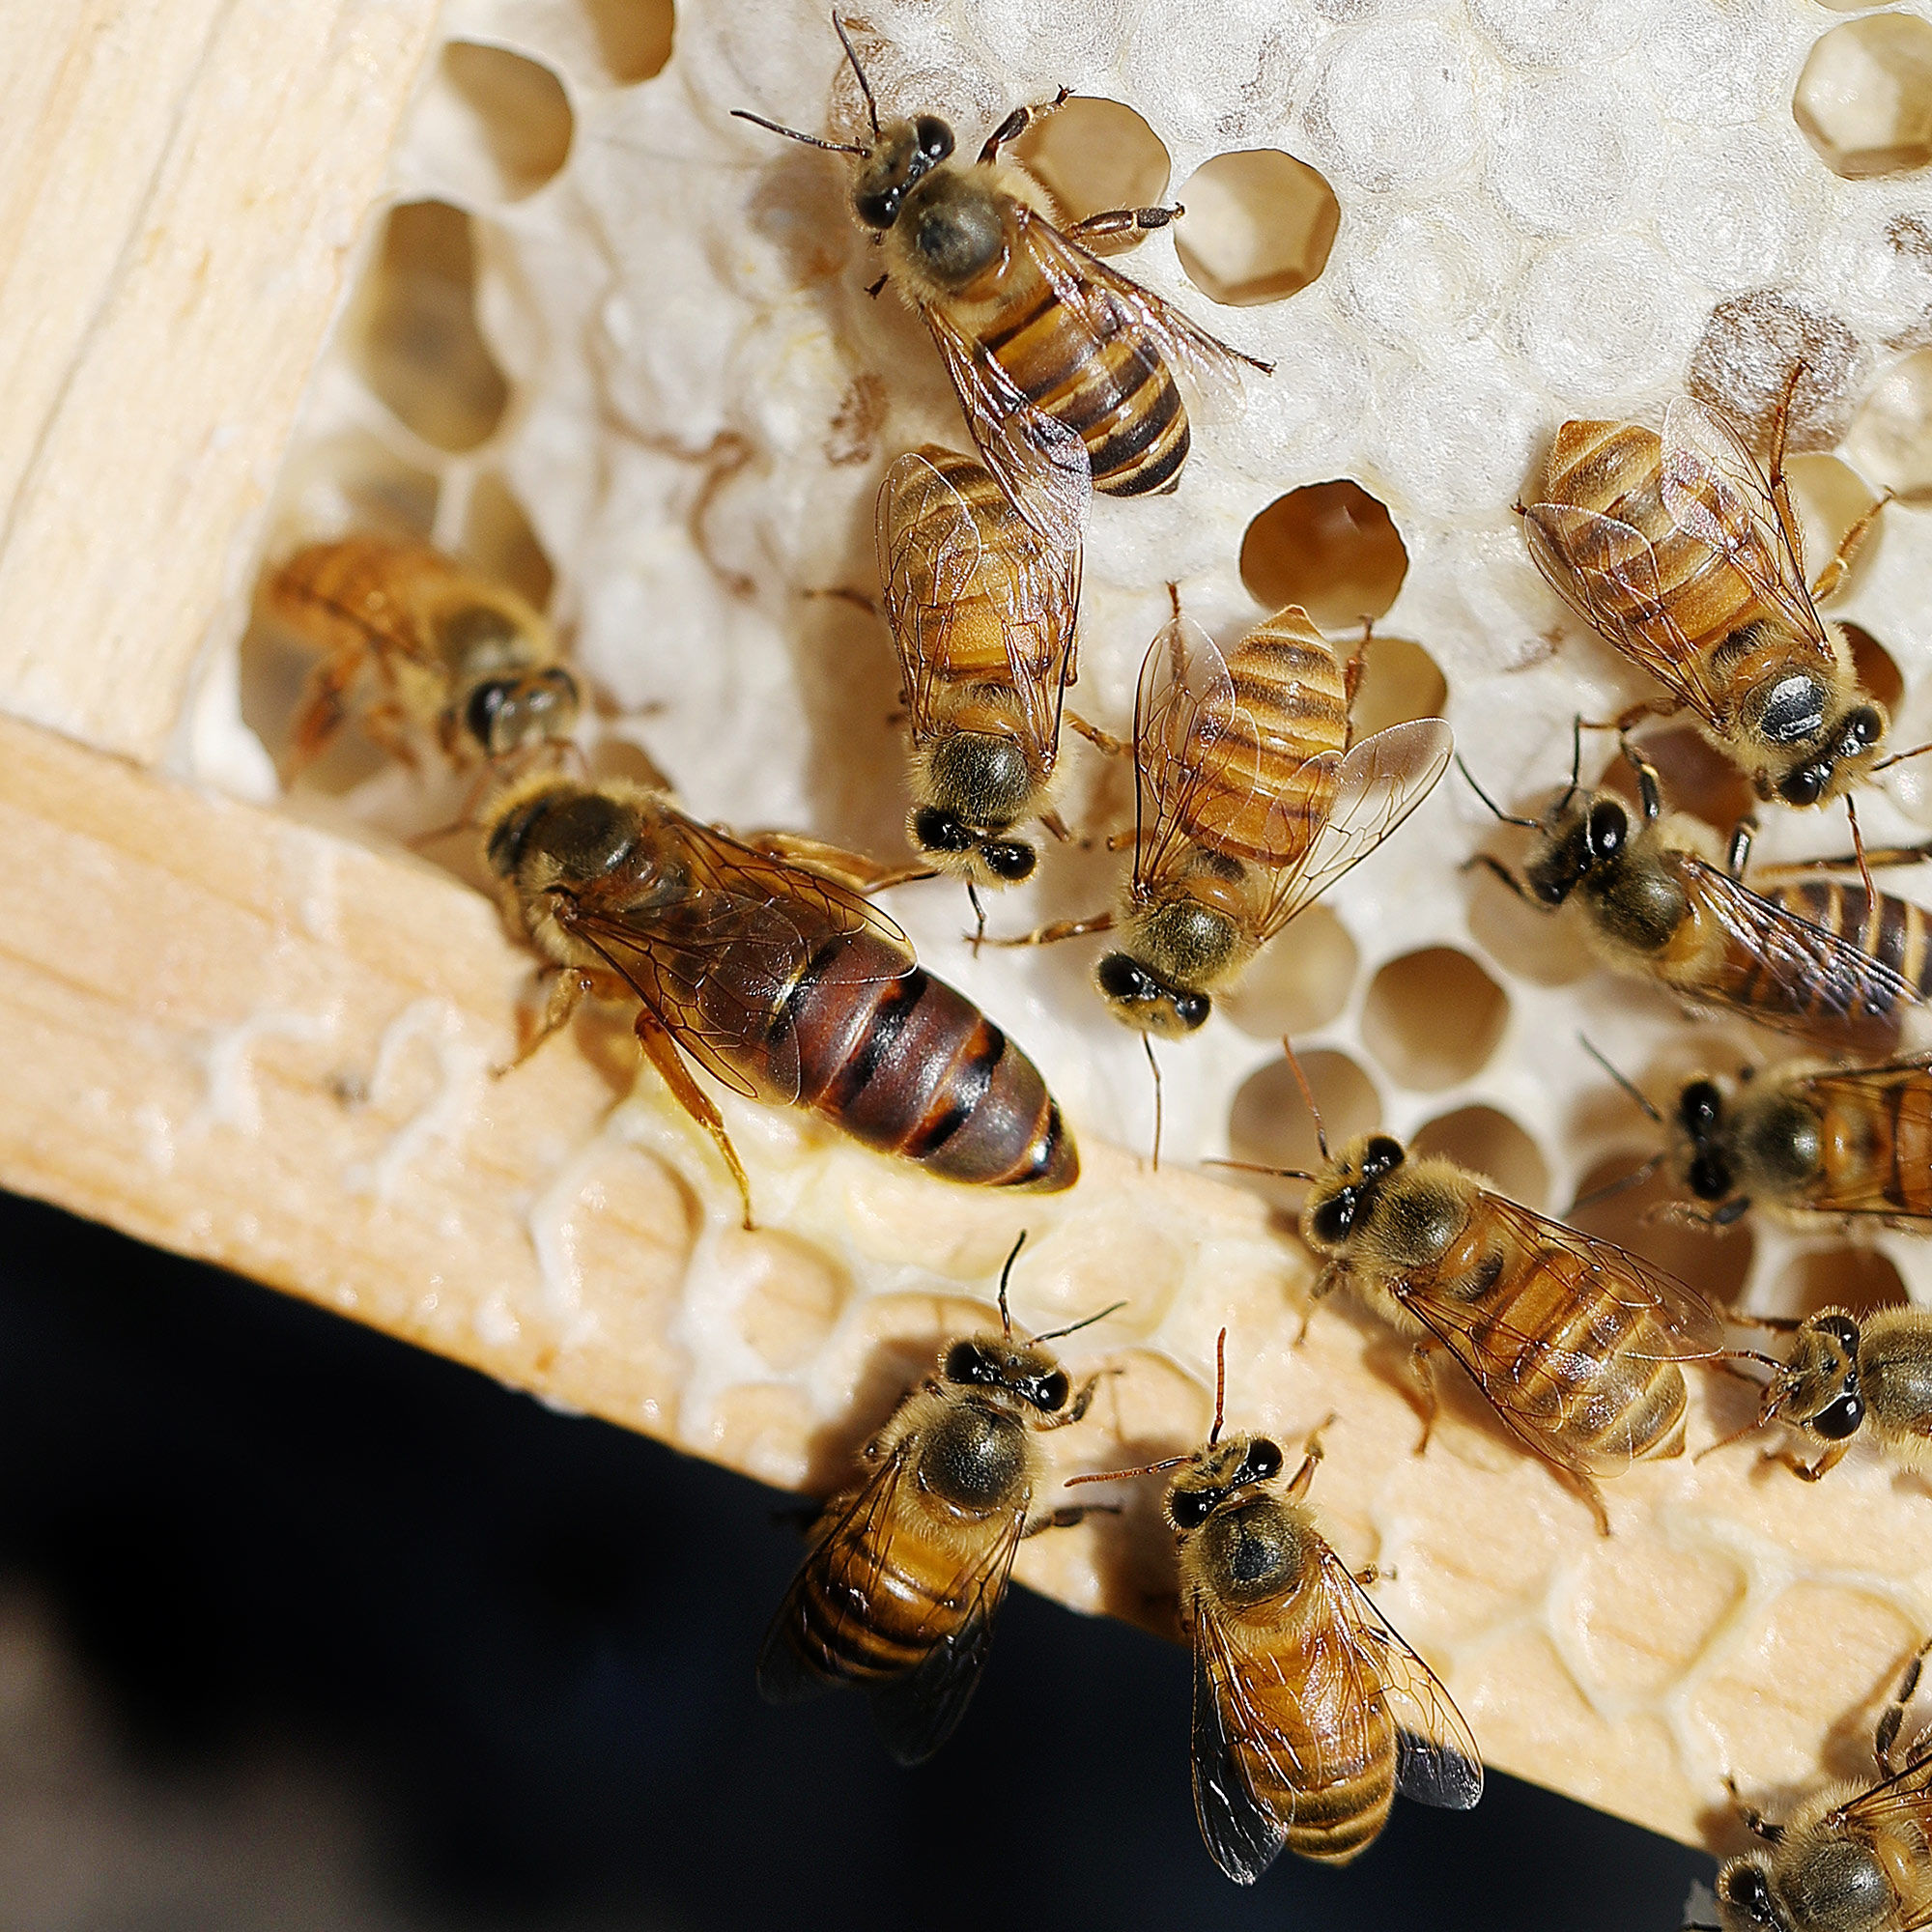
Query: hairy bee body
x,y
455,659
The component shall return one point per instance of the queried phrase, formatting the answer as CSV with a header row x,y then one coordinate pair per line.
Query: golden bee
x,y
781,983
421,651
909,1567
1655,908
1687,558
1251,800
1842,1374
1310,1713
1849,1860
982,612
1065,368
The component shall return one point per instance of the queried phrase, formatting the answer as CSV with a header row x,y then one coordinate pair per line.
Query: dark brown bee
x,y
1654,908
420,650
1848,1859
1687,557
908,1567
1065,368
1310,1713
782,983
983,610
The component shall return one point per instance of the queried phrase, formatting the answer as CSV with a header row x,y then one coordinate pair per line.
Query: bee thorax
x,y
976,1456
1839,1885
1184,942
980,777
1642,906
1782,1142
1252,1553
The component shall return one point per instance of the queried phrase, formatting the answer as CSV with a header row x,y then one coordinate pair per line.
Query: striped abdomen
x,y
1109,384
1891,930
1253,796
1584,1370
900,1060
1874,1145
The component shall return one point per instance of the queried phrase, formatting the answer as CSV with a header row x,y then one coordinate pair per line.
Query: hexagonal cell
x,y
1331,547
1300,982
633,36
1715,1264
1489,1143
495,124
1877,672
1859,1279
497,538
1745,357
1269,1124
1434,1017
1832,498
1092,154
1698,777
1258,226
1864,97
1399,682
1890,438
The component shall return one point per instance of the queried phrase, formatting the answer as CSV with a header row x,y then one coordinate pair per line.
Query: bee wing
x,y
1847,982
933,553
1437,1759
1243,1835
1041,464
1606,571
1185,712
1380,782
1903,1799
361,587
773,917
1714,492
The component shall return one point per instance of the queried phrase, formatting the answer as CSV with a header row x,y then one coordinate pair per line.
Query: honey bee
x,y
1251,801
982,612
1656,909
1848,1859
908,1567
781,983
1310,1713
445,655
1065,368
1687,558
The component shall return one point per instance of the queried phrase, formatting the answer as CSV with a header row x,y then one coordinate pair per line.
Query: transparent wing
x,y
1187,755
1903,1799
362,588
722,940
1380,782
1243,1835
1041,464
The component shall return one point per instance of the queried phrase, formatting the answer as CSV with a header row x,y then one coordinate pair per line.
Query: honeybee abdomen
x,y
872,1606
1891,930
1117,393
900,1060
1876,1152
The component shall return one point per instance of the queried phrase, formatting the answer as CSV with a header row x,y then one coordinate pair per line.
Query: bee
x,y
908,1567
1656,909
1575,1343
1687,558
1065,368
444,655
1310,1713
1842,1372
1251,800
982,612
781,983
1848,1859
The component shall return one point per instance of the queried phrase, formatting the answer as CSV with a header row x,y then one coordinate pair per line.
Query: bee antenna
x,y
1153,1067
1220,1385
1899,758
1635,1178
1629,1086
792,133
1508,818
1086,1321
1859,847
1006,1275
1575,760
1121,1475
865,85
1255,1167
1308,1095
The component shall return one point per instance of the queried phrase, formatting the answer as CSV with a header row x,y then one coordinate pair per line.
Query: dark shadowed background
x,y
300,1628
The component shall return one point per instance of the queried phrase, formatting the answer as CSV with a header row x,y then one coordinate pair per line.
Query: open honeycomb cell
x,y
1433,1018
1095,155
1331,547
1260,225
1864,100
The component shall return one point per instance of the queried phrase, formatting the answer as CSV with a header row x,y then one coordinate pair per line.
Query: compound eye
x,y
1264,1458
1710,1179
1050,1392
1840,1419
1745,1888
939,831
966,1362
1382,1155
1606,829
1191,1010
1191,1508
1122,979
877,211
1864,729
1805,785
1842,1328
481,713
1331,1221
1011,862
1699,1107
934,137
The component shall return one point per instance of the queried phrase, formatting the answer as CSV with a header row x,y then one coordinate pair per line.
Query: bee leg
x,y
1649,784
661,1050
1810,1472
1017,123
1351,674
845,594
1877,857
1849,545
1057,826
1065,928
1587,1493
1751,1817
1485,862
1101,741
850,870
1312,1453
1066,1516
1736,855
1325,1285
568,986
1422,1371
1123,221
1893,1715
320,714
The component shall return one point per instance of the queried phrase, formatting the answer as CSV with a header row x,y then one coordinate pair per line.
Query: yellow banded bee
x,y
1849,1860
1309,1712
1065,368
781,983
982,612
420,650
909,1567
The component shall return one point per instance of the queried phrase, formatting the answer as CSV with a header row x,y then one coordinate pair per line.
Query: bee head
x,y
1744,1896
1818,1390
1700,1118
1017,1369
1825,756
902,155
1218,1475
1582,834
502,715
1140,998
1342,1200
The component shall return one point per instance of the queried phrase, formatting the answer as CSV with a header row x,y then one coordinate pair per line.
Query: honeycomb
x,y
616,347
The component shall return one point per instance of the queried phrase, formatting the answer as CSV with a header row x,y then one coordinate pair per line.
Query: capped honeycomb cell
x,y
1258,226
1890,438
497,538
415,336
1489,1143
1329,547
498,125
633,36
1301,981
1864,99
1434,1017
1744,363
1093,155
1399,682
